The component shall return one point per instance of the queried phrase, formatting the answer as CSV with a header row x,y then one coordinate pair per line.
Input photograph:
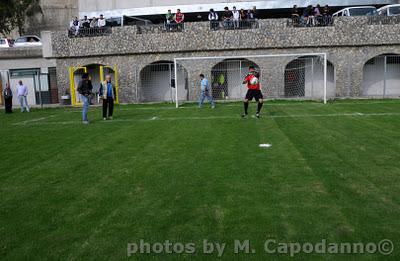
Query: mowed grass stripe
x,y
322,197
358,176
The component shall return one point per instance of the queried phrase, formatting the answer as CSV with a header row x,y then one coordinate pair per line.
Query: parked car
x,y
356,11
4,43
389,10
27,41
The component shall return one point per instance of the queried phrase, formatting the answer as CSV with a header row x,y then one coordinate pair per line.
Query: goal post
x,y
302,76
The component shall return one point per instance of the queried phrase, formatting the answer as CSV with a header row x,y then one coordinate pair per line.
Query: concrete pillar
x,y
349,77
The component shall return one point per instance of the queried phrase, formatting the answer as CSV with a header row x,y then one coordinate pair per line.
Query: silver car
x,y
28,41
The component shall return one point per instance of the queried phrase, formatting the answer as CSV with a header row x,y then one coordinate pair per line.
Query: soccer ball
x,y
254,81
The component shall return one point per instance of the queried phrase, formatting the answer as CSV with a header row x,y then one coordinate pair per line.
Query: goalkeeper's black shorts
x,y
254,94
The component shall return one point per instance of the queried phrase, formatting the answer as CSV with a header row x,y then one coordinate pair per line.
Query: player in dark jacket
x,y
85,88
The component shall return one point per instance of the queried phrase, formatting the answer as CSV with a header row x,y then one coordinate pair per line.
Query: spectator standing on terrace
x,y
213,18
243,15
74,25
179,19
227,18
236,17
85,88
22,92
101,22
251,16
93,23
254,11
8,95
169,20
107,93
295,15
326,16
317,14
243,18
85,23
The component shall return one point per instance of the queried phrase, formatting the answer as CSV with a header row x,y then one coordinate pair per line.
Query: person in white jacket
x,y
74,25
213,18
236,17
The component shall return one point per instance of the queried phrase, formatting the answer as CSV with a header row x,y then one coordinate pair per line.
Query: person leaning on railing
x,y
93,22
243,19
101,22
318,15
213,18
85,23
236,18
74,25
252,17
295,16
179,19
326,16
227,18
169,20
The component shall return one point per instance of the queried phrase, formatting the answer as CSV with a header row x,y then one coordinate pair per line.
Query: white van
x,y
356,11
389,10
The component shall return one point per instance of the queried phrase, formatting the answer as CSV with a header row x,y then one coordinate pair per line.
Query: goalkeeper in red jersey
x,y
254,91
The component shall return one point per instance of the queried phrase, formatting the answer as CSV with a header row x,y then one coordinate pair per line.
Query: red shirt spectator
x,y
179,17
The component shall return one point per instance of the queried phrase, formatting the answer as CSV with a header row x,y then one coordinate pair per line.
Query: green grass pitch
x,y
75,192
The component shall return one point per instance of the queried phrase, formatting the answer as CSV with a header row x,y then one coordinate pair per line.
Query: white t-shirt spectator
x,y
101,22
236,15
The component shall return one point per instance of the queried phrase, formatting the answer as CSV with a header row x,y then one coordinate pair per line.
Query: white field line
x,y
156,118
34,120
238,104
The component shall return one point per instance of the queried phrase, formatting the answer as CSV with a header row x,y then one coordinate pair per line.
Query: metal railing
x,y
317,21
89,32
160,28
234,24
383,20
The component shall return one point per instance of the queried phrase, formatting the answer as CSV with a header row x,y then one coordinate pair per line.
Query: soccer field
x,y
75,192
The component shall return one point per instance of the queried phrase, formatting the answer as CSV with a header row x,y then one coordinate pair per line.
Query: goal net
x,y
307,76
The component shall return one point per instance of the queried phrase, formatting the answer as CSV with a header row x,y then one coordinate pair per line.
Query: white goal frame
x,y
177,59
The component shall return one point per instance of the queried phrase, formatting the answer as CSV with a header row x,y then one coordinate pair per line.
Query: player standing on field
x,y
254,91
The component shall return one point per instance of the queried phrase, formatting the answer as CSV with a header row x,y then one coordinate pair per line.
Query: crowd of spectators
x,y
311,16
233,19
227,19
86,25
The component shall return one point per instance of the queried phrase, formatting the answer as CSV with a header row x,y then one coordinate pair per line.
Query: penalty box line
x,y
40,121
239,104
33,120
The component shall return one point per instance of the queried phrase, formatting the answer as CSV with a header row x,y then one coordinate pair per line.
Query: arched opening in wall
x,y
381,76
157,82
304,78
227,78
97,73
